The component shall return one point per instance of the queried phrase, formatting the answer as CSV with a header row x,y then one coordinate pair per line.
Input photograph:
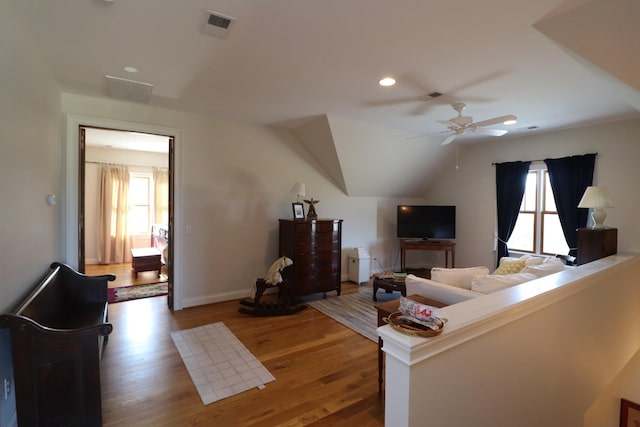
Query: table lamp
x,y
596,198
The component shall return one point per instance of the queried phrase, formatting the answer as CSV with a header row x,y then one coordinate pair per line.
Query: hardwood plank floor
x,y
124,274
326,374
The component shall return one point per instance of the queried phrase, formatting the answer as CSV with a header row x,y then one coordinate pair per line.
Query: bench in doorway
x,y
146,259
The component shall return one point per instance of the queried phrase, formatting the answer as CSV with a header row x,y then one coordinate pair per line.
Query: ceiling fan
x,y
462,125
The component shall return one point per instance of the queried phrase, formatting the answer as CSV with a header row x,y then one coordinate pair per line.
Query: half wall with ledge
x,y
537,354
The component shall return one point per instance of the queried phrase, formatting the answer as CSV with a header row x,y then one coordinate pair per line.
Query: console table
x,y
428,245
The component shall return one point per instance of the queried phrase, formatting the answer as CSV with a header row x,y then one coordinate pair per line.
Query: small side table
x,y
384,310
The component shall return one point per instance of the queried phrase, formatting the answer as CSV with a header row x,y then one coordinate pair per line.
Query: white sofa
x,y
454,285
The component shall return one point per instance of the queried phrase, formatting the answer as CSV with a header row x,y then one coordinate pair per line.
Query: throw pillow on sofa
x,y
460,277
528,259
531,260
549,266
510,267
491,283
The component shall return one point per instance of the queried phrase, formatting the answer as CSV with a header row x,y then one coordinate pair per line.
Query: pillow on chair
x,y
460,277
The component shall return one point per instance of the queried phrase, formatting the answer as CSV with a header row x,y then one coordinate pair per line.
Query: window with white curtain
x,y
140,202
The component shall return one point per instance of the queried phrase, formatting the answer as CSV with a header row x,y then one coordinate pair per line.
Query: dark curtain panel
x,y
570,177
511,180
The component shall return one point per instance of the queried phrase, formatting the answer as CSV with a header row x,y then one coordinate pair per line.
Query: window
x,y
538,228
140,186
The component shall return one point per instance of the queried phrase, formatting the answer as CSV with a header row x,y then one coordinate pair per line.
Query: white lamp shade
x,y
596,197
299,189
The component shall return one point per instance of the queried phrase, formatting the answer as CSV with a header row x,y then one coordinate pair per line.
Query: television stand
x,y
428,245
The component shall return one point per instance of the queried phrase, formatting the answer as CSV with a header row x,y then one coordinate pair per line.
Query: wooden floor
x,y
124,274
326,374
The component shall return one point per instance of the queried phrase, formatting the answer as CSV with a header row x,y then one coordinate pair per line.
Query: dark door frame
x,y
81,203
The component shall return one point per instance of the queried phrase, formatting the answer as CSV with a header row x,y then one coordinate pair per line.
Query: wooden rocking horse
x,y
285,304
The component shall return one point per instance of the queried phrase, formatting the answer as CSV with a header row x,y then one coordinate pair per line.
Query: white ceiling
x,y
552,63
122,140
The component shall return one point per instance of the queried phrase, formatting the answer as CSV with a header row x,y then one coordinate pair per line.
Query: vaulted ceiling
x,y
312,66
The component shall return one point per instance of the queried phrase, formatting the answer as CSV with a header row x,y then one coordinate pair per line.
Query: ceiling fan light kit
x,y
462,125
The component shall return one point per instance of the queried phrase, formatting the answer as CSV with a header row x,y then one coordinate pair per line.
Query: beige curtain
x,y
114,239
161,196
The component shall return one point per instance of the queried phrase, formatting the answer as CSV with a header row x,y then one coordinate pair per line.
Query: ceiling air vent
x,y
435,95
129,90
217,24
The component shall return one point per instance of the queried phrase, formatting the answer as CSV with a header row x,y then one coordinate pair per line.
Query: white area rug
x,y
218,363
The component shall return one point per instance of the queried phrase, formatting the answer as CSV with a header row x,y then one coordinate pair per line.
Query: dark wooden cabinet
x,y
315,246
57,335
596,243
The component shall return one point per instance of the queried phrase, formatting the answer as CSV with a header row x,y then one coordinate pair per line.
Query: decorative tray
x,y
398,322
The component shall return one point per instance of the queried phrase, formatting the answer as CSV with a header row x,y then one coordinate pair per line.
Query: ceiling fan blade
x,y
422,135
493,132
493,121
449,139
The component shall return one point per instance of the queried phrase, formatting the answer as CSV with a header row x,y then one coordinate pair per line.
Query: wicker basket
x,y
410,330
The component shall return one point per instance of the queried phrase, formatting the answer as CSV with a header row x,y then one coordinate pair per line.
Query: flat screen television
x,y
426,222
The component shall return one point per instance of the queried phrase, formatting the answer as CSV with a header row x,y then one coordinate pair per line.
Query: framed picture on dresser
x,y
298,210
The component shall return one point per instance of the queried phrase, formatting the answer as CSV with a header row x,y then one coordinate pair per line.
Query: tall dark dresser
x,y
315,246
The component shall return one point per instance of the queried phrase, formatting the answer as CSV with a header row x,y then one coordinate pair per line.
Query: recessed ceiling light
x,y
387,81
130,69
510,122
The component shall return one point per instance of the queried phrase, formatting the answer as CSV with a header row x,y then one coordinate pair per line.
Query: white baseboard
x,y
210,299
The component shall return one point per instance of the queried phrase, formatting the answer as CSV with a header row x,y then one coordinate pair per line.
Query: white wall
x,y
236,177
30,164
472,186
605,411
30,168
235,181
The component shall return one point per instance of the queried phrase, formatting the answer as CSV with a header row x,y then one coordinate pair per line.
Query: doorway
x,y
126,197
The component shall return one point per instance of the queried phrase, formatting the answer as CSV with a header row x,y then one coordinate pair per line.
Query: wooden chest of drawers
x,y
315,246
596,243
146,259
